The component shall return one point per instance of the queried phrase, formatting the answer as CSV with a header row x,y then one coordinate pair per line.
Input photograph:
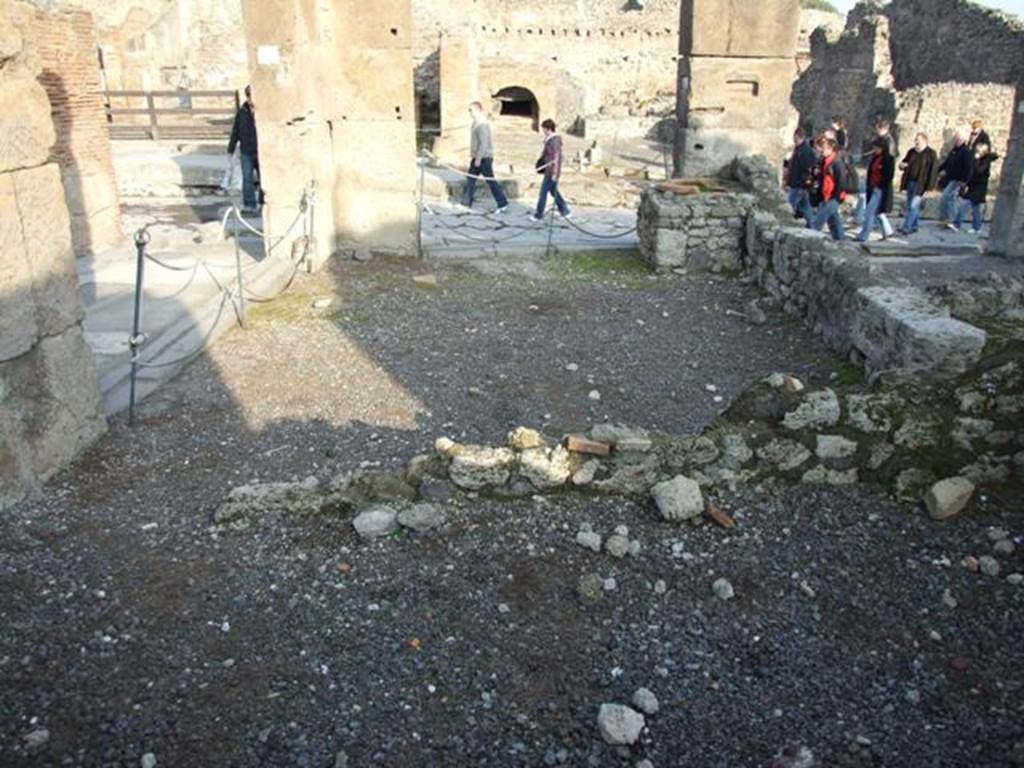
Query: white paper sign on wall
x,y
268,55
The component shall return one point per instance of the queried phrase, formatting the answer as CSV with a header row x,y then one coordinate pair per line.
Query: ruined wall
x,y
49,399
166,44
736,67
333,88
579,60
67,51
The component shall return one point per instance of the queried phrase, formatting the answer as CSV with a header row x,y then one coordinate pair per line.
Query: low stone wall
x,y
49,397
701,231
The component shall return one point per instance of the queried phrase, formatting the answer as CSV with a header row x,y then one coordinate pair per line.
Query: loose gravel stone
x,y
590,588
989,565
722,589
619,724
375,523
590,540
617,546
422,517
645,700
948,497
678,499
1004,548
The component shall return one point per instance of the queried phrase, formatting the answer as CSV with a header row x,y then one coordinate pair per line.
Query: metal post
x,y
238,272
419,208
137,339
312,227
551,228
154,128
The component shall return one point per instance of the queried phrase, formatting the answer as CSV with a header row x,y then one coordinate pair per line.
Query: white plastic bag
x,y
232,179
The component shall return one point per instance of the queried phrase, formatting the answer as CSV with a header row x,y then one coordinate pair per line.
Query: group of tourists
x,y
481,166
821,175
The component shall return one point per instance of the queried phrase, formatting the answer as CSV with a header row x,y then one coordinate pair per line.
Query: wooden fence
x,y
179,115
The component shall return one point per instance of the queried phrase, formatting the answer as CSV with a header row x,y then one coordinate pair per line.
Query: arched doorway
x,y
518,102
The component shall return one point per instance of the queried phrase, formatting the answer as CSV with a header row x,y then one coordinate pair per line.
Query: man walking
x,y
481,164
550,164
799,176
919,166
243,135
954,173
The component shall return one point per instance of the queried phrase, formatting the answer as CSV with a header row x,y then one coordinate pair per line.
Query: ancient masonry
x,y
49,399
67,49
736,68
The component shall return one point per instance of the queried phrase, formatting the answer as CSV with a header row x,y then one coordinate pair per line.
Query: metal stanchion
x,y
137,339
422,161
311,241
551,228
240,307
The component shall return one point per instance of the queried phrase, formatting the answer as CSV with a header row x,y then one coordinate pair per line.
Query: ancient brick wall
x,y
50,406
67,51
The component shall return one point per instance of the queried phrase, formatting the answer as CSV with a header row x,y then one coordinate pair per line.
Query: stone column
x,y
459,85
1008,217
735,77
334,103
50,407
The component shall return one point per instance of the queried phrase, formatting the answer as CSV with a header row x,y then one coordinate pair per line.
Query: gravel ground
x,y
131,626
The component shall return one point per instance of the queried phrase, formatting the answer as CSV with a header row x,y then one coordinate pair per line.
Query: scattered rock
x,y
148,760
755,315
794,756
590,589
610,584
376,522
594,395
818,410
1004,548
422,517
585,475
621,437
678,499
948,497
785,454
323,303
578,444
430,281
970,562
248,502
619,724
1016,579
589,540
645,701
546,468
869,413
723,590
36,738
989,565
660,587
831,447
617,546
476,466
522,438
821,475
917,433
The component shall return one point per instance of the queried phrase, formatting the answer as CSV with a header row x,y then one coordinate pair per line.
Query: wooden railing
x,y
159,115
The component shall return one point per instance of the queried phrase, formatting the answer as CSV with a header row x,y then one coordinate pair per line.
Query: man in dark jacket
x,y
883,132
976,190
978,135
243,135
953,175
920,167
878,188
800,175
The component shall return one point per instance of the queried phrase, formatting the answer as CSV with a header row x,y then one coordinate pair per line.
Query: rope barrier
x,y
226,296
599,236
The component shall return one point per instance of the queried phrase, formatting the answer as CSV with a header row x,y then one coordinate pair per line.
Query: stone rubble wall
x,y
66,47
702,231
50,408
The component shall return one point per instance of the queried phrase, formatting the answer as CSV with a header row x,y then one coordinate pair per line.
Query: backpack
x,y
846,176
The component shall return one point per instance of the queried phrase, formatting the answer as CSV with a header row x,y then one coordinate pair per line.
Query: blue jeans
x,y
914,204
486,170
249,164
550,184
829,212
950,200
862,196
976,214
800,202
871,216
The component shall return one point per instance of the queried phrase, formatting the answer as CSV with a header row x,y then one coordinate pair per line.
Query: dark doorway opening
x,y
518,102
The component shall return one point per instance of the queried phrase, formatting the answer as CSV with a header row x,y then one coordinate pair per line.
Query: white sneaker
x,y
502,209
566,215
953,227
535,219
975,232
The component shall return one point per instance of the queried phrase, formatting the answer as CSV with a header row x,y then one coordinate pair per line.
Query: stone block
x,y
47,240
18,329
768,28
948,497
26,128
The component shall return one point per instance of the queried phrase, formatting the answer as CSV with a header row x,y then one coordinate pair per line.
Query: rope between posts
x,y
226,296
588,233
495,240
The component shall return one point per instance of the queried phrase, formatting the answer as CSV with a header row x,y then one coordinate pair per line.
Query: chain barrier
x,y
235,296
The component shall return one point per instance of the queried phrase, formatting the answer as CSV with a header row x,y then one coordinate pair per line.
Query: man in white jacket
x,y
481,163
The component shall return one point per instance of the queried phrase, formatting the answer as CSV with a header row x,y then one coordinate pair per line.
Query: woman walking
x,y
550,164
881,169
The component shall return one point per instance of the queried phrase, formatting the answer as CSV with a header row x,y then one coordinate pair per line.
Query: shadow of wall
x,y
67,49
